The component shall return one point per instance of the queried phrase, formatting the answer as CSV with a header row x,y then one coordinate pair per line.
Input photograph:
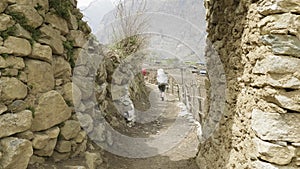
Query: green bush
x,y
69,47
61,7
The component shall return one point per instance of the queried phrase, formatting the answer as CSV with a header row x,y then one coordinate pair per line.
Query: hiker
x,y
162,80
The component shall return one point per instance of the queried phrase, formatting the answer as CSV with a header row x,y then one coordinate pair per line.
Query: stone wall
x,y
39,41
258,43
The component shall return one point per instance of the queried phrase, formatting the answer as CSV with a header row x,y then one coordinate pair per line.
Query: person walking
x,y
162,80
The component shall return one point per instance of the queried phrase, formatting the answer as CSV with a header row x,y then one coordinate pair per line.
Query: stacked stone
x,y
36,104
276,119
258,42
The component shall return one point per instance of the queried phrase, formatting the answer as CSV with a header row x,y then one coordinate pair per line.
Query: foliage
x,y
69,47
132,24
38,7
61,7
5,55
8,32
22,20
32,109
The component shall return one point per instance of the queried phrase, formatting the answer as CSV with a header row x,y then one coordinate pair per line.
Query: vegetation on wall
x,y
69,47
22,20
61,7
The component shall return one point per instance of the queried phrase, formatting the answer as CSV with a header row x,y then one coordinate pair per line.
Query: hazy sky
x,y
85,3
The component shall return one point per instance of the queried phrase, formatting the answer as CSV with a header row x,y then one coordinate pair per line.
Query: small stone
x,y
59,82
17,106
70,129
63,146
41,52
79,148
40,141
296,144
28,135
53,132
6,21
80,137
10,72
5,50
75,167
21,32
86,122
60,156
92,160
3,5
36,159
47,151
12,62
62,68
78,37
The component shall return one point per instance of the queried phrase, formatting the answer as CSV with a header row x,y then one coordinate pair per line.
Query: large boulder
x,y
16,153
40,76
51,110
15,123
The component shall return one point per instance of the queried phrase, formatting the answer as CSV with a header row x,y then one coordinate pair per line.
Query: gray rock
x,y
16,153
275,126
17,106
283,44
15,123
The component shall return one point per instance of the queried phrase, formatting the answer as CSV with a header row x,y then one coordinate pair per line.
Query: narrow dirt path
x,y
170,117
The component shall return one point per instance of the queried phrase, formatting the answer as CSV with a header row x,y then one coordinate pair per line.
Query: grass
x,y
69,47
5,55
8,32
61,7
32,109
22,20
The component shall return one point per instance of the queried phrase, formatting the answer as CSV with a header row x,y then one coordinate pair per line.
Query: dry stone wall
x,y
258,43
39,43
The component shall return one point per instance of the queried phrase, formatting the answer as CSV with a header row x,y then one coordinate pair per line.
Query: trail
x,y
166,114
